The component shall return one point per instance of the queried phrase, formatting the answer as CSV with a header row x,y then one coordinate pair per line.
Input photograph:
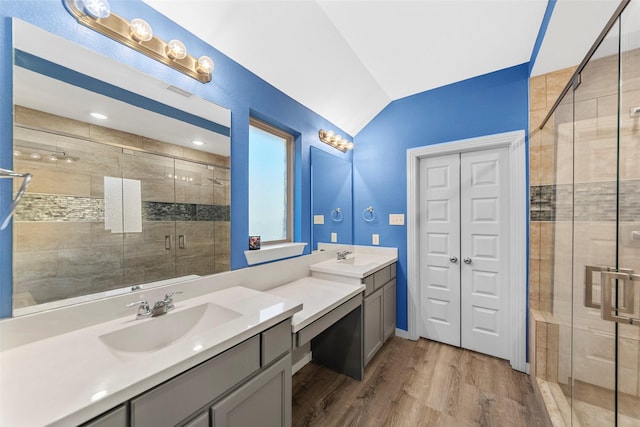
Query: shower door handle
x,y
588,285
609,305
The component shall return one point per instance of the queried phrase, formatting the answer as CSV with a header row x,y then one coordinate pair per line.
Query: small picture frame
x,y
254,243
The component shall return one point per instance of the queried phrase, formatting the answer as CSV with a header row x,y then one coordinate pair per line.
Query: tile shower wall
x,y
61,246
550,201
573,219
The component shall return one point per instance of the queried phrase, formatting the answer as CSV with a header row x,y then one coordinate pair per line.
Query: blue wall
x,y
331,188
232,86
484,105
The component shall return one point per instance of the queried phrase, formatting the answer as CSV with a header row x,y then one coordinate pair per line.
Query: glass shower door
x,y
606,249
595,342
628,221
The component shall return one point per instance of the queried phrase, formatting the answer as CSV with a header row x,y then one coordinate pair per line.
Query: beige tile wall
x,y
544,349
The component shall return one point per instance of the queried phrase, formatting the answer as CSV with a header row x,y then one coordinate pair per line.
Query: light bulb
x,y
349,145
176,49
140,30
94,8
205,65
36,156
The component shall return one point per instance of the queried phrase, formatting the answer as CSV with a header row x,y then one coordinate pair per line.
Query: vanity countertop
x,y
317,296
70,378
358,265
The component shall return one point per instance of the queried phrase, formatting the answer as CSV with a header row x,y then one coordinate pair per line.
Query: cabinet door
x,y
389,300
373,312
263,401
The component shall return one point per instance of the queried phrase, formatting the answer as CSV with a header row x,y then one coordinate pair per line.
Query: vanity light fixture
x,y
336,141
138,35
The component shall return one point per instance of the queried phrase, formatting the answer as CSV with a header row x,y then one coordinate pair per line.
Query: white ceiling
x,y
346,60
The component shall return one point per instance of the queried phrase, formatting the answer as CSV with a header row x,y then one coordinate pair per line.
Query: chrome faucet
x,y
342,254
158,309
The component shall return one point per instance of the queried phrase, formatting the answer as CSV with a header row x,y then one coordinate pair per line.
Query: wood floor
x,y
421,383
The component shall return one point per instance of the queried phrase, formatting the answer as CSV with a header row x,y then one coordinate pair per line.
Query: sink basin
x,y
158,332
357,265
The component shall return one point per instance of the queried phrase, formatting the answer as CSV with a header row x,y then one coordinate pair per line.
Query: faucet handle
x,y
168,299
142,303
143,309
169,296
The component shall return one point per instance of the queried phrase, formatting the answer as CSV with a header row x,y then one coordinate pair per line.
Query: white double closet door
x,y
464,250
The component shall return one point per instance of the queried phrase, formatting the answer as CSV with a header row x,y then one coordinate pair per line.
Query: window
x,y
270,183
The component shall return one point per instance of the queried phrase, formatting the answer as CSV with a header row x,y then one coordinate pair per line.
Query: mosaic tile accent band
x,y
594,201
58,208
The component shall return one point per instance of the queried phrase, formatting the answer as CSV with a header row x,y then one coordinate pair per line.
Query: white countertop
x,y
317,296
70,378
358,265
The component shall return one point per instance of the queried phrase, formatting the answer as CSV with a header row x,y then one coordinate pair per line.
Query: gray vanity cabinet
x,y
117,417
263,401
200,421
389,309
373,312
379,309
247,385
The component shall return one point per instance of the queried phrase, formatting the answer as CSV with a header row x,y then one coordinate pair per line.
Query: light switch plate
x,y
334,237
318,219
375,239
396,219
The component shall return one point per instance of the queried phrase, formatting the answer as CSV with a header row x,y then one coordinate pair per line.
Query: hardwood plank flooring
x,y
418,383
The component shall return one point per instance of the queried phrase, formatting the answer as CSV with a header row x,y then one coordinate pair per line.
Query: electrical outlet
x,y
375,239
396,219
334,237
318,219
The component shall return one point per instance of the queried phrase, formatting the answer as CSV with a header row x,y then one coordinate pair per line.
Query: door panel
x,y
440,249
484,192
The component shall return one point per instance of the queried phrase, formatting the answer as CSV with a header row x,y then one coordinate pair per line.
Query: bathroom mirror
x,y
331,198
116,202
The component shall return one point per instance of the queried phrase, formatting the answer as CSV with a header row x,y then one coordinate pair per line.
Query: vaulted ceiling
x,y
347,60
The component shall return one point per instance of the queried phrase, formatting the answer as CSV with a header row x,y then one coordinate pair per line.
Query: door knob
x,y
467,260
453,259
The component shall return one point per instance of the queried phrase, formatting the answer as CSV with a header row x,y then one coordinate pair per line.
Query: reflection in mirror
x,y
115,202
331,198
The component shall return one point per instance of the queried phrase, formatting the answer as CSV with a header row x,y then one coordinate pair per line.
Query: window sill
x,y
274,252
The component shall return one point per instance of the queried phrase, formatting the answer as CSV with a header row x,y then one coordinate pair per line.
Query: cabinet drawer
x,y
368,282
200,421
381,277
275,342
114,418
183,395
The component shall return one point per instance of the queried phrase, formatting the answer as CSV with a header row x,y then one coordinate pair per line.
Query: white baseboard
x,y
401,333
300,363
